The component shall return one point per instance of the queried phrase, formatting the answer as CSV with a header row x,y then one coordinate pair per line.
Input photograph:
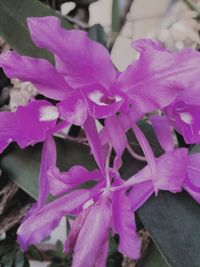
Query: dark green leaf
x,y
8,259
153,258
120,9
22,166
116,23
173,223
84,2
59,249
97,34
35,253
13,27
19,259
6,247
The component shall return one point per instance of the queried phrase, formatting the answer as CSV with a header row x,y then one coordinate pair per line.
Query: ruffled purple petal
x,y
102,103
48,160
139,194
82,61
183,114
73,109
170,172
163,132
192,182
28,125
95,144
124,225
102,254
8,129
158,76
75,230
38,71
34,121
41,223
117,138
65,181
96,229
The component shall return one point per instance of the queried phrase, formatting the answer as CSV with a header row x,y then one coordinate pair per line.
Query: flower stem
x,y
147,150
134,154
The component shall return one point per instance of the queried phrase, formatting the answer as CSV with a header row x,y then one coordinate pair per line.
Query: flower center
x,y
108,99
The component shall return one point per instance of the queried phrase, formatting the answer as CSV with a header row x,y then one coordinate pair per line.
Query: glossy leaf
x,y
97,33
19,259
153,258
173,223
120,9
13,27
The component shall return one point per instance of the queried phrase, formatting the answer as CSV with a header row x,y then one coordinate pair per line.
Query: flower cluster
x,y
86,87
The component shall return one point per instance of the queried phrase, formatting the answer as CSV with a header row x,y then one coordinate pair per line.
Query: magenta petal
x,y
81,60
73,109
48,160
192,183
95,228
75,230
170,172
102,254
65,181
117,138
41,223
28,125
184,113
158,76
139,193
95,144
124,225
38,71
8,129
163,131
34,121
102,103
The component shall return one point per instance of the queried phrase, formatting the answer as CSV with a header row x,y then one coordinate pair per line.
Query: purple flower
x,y
29,125
183,115
98,210
85,80
176,169
87,87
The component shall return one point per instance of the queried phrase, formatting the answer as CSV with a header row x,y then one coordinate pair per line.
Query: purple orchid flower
x,y
183,115
176,169
87,87
85,80
98,210
28,125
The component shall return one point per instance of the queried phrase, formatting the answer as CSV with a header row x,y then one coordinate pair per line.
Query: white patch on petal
x,y
186,117
118,98
48,113
78,116
88,203
96,97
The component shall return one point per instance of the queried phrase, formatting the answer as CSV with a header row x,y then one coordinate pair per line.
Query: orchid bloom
x,y
86,87
84,79
98,210
183,115
176,169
